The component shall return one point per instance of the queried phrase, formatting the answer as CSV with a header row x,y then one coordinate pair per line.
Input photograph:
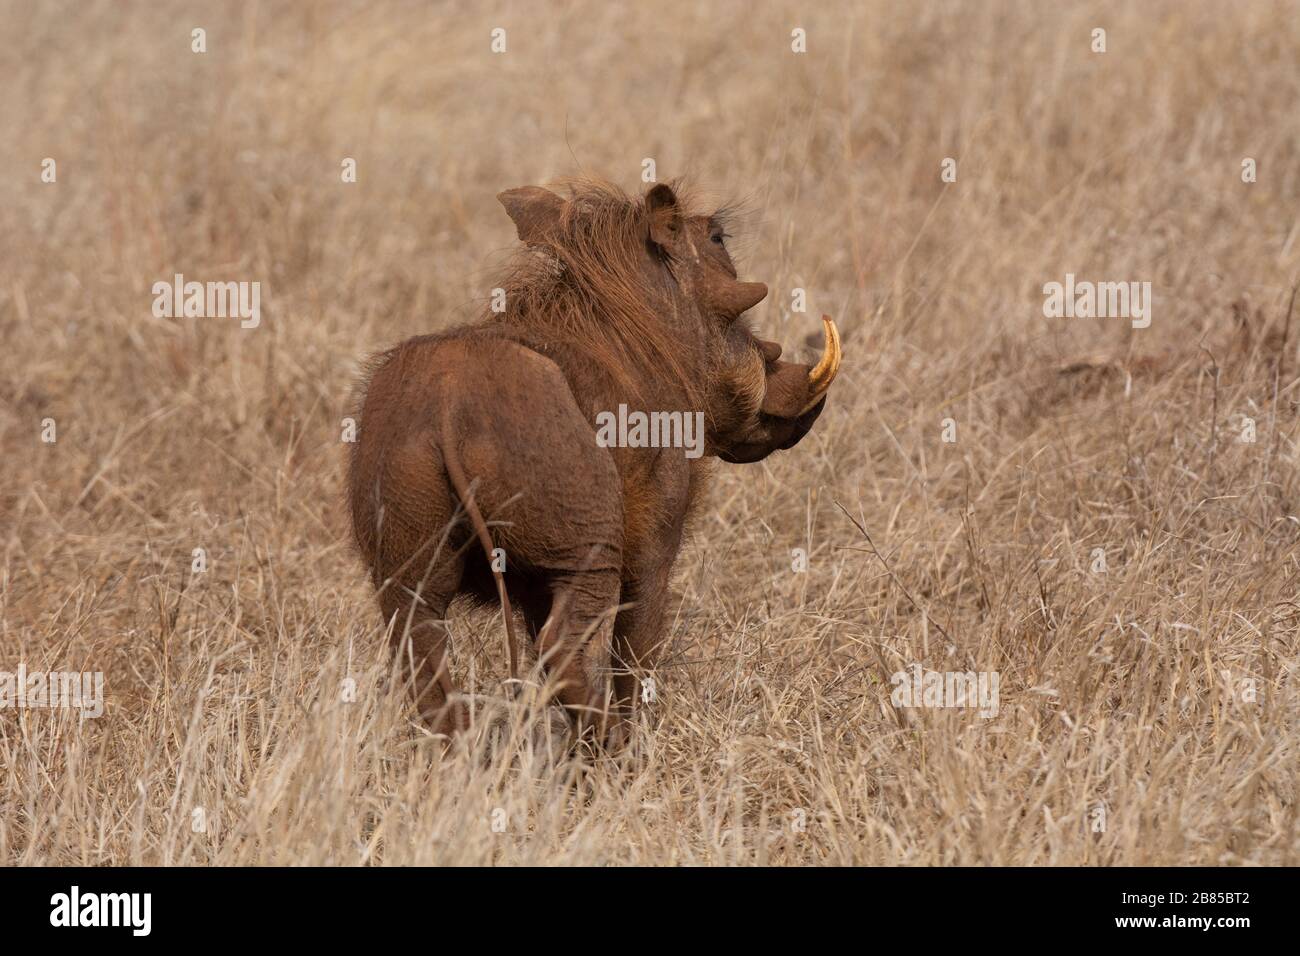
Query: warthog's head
x,y
659,281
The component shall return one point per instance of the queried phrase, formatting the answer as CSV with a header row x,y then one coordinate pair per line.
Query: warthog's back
x,y
506,413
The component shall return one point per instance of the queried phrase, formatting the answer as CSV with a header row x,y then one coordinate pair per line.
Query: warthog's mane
x,y
587,286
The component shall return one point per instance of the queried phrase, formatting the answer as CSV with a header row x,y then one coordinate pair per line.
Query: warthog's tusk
x,y
823,373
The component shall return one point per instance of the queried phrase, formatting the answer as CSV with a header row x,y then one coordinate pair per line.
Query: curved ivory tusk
x,y
823,373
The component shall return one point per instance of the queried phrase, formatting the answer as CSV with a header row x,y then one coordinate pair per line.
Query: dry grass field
x,y
1147,708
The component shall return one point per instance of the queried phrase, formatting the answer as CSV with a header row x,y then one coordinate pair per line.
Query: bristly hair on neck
x,y
587,287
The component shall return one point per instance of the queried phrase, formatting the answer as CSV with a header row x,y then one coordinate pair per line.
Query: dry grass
x,y
1121,689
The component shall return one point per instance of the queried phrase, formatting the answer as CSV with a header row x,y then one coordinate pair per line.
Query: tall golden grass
x,y
772,739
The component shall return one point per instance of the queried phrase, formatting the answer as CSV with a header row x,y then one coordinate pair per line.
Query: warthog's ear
x,y
534,211
665,219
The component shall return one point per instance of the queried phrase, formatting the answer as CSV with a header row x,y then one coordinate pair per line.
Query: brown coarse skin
x,y
614,300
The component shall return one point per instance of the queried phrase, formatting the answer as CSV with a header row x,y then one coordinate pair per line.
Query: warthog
x,y
477,468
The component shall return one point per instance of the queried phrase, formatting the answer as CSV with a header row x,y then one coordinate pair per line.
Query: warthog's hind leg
x,y
419,637
574,647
